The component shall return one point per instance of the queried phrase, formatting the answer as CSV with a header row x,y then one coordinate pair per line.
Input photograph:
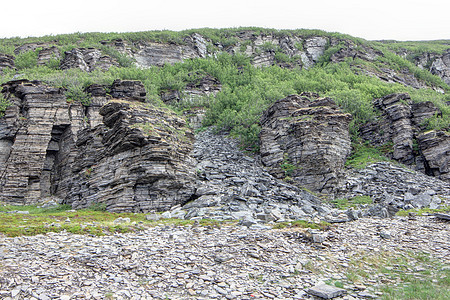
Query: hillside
x,y
390,99
244,163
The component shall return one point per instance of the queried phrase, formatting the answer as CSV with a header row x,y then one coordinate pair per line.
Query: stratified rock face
x,y
137,161
401,124
47,54
397,125
157,54
441,67
30,47
130,89
435,148
125,154
306,138
201,87
196,94
34,132
6,61
87,60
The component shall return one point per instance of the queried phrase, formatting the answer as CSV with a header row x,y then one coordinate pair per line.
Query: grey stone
x,y
153,217
326,291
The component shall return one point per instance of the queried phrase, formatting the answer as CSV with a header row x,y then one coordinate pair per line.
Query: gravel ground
x,y
230,262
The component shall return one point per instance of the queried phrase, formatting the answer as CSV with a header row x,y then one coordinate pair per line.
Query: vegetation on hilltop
x,y
246,90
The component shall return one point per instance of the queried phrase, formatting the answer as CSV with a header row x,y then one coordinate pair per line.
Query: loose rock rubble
x,y
233,185
195,262
393,187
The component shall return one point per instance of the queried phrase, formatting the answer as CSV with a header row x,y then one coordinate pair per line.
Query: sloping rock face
x,y
86,59
138,160
400,126
306,138
125,154
6,61
232,185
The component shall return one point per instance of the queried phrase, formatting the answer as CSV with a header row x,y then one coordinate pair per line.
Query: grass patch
x,y
302,224
93,221
344,203
401,275
422,211
364,154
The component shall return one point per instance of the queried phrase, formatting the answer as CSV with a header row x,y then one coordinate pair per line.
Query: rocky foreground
x,y
231,262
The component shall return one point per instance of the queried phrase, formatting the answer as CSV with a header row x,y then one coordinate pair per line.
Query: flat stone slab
x,y
326,291
442,216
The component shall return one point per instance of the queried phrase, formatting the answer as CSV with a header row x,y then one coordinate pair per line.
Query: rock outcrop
x,y
435,149
138,160
126,155
46,54
441,67
129,89
32,133
400,126
30,47
196,95
437,64
306,138
86,59
6,61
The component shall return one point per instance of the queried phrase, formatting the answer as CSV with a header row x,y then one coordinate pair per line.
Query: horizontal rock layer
x,y
126,155
401,126
306,138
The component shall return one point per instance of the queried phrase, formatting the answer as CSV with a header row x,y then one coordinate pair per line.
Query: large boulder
x,y
306,138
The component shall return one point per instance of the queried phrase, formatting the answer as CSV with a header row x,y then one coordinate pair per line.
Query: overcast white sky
x,y
380,19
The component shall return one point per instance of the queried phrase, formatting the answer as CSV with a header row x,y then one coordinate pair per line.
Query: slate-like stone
x,y
326,291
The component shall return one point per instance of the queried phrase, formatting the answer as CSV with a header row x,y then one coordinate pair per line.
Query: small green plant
x,y
77,93
98,206
4,104
88,172
287,167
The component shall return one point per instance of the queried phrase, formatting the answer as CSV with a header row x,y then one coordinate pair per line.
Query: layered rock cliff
x,y
400,126
124,154
306,138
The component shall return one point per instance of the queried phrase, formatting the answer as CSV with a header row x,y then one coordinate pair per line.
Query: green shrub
x,y
3,105
27,60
